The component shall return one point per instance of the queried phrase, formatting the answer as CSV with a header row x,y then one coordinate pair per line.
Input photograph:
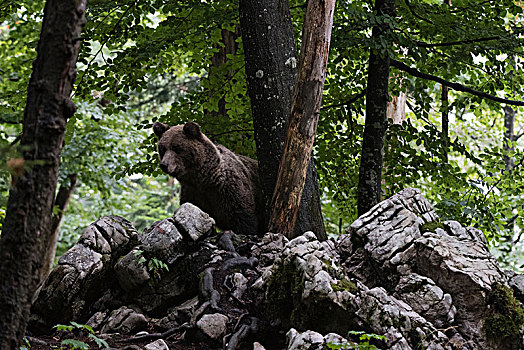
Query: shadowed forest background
x,y
147,61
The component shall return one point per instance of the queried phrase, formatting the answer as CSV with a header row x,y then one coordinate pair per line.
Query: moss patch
x,y
507,317
344,284
431,226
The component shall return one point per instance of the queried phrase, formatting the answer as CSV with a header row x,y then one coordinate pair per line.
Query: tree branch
x,y
352,100
455,86
415,14
453,43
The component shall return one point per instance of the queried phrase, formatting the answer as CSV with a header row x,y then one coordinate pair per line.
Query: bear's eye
x,y
178,149
161,149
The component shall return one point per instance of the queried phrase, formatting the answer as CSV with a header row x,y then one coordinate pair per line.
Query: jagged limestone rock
x,y
213,325
310,340
307,286
76,282
131,272
192,221
124,320
442,270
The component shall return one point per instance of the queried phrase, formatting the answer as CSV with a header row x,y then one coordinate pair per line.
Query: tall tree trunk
x,y
228,46
370,173
445,113
27,226
305,111
445,120
509,136
271,62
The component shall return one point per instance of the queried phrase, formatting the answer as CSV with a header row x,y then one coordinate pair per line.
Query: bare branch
x,y
454,43
455,86
352,100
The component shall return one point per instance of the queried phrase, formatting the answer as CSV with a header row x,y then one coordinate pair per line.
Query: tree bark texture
x,y
228,46
370,172
509,136
445,120
27,226
271,65
62,200
305,111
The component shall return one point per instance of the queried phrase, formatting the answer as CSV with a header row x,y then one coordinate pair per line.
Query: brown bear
x,y
221,183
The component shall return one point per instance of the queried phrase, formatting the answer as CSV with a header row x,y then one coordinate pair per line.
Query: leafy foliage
x,y
78,344
146,61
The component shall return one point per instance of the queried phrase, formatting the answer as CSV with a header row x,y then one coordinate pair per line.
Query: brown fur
x,y
218,181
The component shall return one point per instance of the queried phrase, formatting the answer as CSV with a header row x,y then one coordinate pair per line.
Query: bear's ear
x,y
160,129
192,129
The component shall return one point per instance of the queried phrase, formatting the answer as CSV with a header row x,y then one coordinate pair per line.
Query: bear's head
x,y
185,152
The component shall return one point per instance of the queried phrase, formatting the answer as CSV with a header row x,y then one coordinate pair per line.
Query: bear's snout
x,y
164,166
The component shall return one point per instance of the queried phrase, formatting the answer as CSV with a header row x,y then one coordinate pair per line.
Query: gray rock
x,y
258,346
109,235
239,284
178,315
516,282
131,272
81,276
318,283
443,274
310,340
163,241
159,344
97,320
426,298
124,320
192,221
269,248
213,325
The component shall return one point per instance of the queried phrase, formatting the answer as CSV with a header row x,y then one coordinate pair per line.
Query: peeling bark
x,y
305,111
271,65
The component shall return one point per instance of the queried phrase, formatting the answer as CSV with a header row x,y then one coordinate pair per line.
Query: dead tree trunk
x,y
305,111
271,65
27,226
370,173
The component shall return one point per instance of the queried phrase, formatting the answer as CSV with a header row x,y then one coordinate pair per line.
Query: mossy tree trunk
x,y
27,226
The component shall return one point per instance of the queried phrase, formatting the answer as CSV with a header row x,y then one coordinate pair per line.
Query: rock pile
x,y
398,273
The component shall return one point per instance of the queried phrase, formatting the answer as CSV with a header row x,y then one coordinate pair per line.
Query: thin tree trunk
x,y
62,200
509,136
445,112
271,64
305,111
445,120
27,225
370,173
229,47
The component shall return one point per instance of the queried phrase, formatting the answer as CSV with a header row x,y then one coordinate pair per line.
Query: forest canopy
x,y
177,61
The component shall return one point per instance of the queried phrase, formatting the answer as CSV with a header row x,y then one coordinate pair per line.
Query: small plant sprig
x,y
154,266
363,343
78,344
